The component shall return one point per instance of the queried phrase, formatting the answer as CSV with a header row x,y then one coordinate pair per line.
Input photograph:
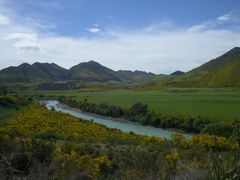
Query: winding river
x,y
121,124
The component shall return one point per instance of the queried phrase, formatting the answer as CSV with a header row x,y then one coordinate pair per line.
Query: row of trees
x,y
140,112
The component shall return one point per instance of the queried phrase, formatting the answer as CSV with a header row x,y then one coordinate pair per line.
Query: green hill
x,y
134,75
177,73
87,71
30,73
92,71
223,71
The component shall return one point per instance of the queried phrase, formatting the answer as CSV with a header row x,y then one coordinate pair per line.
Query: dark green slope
x,y
52,70
220,72
134,75
92,71
177,73
88,71
219,63
29,73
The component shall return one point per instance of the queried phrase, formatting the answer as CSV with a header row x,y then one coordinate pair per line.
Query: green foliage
x,y
72,161
224,166
12,101
55,145
9,106
102,108
139,112
6,113
215,103
138,108
219,129
42,150
211,142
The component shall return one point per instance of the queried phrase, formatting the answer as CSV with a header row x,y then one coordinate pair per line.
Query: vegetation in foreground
x,y
43,144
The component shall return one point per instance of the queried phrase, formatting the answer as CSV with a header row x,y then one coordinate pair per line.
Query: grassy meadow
x,y
219,103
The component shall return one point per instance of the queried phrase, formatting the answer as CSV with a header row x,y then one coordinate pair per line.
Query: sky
x,y
156,36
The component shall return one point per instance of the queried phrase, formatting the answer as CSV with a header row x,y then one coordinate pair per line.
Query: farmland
x,y
219,103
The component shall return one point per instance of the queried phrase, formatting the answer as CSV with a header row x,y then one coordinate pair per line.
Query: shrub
x,y
42,150
219,129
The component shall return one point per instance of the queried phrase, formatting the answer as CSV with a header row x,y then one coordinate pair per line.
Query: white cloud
x,y
94,29
22,36
160,53
24,41
160,48
226,21
165,24
4,20
225,17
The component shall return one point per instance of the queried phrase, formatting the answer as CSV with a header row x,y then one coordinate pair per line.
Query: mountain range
x,y
87,72
222,71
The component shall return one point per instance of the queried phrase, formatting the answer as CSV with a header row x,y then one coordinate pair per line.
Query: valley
x,y
119,90
218,103
120,124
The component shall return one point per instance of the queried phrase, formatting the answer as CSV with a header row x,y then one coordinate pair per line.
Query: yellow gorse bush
x,y
35,119
208,142
84,163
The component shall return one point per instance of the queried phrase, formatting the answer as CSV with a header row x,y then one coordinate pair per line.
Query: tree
x,y
138,108
219,129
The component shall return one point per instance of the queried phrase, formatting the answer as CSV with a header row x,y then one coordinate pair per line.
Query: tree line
x,y
140,112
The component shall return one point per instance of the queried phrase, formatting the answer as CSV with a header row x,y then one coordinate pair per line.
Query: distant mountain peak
x,y
92,71
233,52
24,65
177,73
236,48
35,72
92,62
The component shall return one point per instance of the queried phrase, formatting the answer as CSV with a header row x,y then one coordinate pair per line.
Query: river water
x,y
121,124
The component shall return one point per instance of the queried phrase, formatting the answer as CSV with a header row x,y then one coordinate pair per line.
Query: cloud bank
x,y
159,48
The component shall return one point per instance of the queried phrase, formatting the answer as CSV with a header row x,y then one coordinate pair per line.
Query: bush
x,y
219,129
42,151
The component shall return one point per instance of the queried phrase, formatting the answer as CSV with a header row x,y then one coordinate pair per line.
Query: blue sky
x,y
151,35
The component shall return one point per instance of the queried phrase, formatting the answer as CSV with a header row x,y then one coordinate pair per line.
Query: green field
x,y
220,103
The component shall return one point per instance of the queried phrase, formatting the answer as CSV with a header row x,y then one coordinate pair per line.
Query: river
x,y
121,124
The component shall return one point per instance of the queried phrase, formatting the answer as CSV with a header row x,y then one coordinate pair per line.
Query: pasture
x,y
220,103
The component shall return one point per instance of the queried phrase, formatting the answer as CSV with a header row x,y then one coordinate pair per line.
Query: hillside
x,y
92,71
134,75
220,72
29,73
177,73
87,72
223,71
